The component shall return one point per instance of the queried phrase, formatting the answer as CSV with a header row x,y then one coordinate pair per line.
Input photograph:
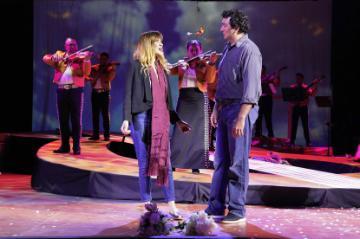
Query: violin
x,y
316,81
113,63
202,57
273,78
78,56
103,69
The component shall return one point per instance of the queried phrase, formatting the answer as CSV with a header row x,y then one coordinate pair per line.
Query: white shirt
x,y
189,78
98,84
66,77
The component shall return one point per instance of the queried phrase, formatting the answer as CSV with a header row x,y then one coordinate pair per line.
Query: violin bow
x,y
81,50
192,58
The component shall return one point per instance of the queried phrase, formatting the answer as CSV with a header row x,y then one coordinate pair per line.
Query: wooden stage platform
x,y
109,170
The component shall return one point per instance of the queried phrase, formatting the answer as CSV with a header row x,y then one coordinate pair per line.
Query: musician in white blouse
x,y
191,151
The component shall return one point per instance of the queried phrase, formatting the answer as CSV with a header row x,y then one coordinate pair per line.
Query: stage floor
x,y
28,213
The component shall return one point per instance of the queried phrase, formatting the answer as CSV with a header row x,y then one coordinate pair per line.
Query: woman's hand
x,y
125,127
213,58
183,126
213,118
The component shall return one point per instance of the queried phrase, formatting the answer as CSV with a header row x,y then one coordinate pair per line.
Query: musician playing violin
x,y
191,150
300,108
269,82
71,68
101,76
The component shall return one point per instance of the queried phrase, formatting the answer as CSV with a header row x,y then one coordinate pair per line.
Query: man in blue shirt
x,y
237,95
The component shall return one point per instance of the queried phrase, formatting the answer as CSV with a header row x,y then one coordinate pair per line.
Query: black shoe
x,y
173,169
94,138
214,214
195,171
77,151
232,218
62,150
308,144
107,138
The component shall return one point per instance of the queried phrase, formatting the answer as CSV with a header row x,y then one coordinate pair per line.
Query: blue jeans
x,y
141,135
231,162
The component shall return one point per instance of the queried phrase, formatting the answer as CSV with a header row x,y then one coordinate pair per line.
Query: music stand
x,y
324,102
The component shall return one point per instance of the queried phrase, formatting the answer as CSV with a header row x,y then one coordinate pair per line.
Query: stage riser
x,y
59,179
18,155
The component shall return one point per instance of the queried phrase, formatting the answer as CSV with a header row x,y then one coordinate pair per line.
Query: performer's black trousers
x,y
70,106
300,112
100,104
212,130
265,110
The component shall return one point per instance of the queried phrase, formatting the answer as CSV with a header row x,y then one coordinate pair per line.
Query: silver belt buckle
x,y
67,87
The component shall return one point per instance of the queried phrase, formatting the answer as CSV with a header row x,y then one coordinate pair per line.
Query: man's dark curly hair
x,y
238,20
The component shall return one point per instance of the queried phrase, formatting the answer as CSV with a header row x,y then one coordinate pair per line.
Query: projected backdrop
x,y
294,34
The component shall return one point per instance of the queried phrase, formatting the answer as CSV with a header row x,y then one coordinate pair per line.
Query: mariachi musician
x,y
71,68
100,78
191,150
269,82
299,108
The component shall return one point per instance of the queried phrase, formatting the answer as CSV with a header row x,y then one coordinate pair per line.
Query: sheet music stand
x,y
324,102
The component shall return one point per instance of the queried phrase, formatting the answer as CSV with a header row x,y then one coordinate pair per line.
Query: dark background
x,y
16,81
16,102
345,76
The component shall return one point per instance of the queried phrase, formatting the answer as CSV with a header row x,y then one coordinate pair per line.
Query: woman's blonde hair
x,y
145,52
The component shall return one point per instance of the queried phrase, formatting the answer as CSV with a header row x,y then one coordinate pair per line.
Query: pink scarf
x,y
159,162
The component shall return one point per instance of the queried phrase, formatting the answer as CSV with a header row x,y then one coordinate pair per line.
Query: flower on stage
x,y
200,224
154,222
